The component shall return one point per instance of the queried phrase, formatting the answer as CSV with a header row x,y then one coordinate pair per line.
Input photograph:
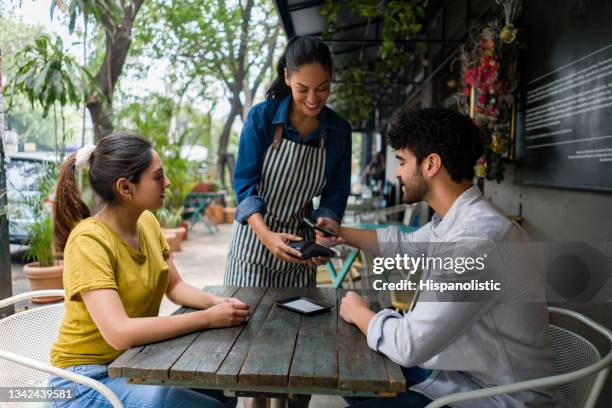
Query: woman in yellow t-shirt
x,y
116,271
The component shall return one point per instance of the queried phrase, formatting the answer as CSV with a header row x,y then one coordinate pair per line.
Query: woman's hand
x,y
277,243
331,225
234,301
230,312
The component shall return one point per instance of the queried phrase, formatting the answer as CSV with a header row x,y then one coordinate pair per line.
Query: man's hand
x,y
352,306
331,225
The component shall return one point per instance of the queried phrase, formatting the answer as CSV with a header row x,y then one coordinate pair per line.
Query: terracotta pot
x,y
45,277
216,213
229,214
201,188
179,231
174,242
186,225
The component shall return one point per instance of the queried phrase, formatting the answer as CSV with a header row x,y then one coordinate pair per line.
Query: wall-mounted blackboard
x,y
565,122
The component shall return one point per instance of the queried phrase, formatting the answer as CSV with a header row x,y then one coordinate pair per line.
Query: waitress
x,y
292,148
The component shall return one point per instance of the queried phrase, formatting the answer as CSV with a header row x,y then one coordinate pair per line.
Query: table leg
x,y
337,278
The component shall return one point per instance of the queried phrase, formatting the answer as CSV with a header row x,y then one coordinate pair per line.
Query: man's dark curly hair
x,y
450,134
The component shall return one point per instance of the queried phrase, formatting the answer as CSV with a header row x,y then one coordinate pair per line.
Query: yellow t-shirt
x,y
96,257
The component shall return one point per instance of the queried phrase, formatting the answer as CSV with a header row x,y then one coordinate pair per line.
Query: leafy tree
x,y
116,18
169,126
228,42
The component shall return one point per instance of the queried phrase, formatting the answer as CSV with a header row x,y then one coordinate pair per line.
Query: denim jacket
x,y
257,135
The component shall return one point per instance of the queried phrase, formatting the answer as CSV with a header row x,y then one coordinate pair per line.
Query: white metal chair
x,y
25,342
580,369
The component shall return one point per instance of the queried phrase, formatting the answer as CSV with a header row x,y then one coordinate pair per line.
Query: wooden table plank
x,y
359,368
205,354
230,368
154,360
315,359
276,351
269,359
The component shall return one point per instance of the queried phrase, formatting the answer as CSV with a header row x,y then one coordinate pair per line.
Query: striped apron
x,y
292,175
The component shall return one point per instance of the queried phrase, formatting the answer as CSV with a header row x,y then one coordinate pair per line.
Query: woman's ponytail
x,y
279,89
68,208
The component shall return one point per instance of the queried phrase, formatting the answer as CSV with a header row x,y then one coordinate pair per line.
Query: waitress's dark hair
x,y
300,50
116,156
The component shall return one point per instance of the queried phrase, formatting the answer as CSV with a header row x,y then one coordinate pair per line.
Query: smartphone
x,y
325,231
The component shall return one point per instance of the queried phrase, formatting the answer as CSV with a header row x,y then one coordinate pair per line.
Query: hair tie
x,y
83,155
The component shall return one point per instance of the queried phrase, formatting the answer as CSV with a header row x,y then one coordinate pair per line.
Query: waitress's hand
x,y
277,243
331,225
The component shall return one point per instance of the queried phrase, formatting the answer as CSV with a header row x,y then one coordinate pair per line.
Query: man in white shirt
x,y
459,340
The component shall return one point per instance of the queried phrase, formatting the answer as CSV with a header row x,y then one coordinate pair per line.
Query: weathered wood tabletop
x,y
276,351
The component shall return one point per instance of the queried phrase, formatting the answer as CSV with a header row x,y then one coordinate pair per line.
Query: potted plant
x,y
208,185
44,271
170,223
216,212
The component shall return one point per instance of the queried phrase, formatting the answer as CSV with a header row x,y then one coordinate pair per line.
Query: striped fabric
x,y
292,175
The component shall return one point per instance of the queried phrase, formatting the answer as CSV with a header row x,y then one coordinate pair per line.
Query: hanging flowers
x,y
489,81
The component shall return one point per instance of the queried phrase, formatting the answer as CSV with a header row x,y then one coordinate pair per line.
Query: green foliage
x,y
46,75
40,241
20,117
3,199
40,232
170,219
110,10
152,119
351,98
217,48
401,20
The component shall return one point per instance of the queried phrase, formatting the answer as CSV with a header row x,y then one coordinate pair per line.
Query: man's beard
x,y
415,188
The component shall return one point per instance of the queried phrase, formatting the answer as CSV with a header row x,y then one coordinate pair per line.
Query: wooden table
x,y
276,352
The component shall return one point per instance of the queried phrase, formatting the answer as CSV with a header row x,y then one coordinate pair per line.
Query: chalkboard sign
x,y
565,122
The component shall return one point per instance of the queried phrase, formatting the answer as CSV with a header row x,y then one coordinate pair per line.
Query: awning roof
x,y
356,38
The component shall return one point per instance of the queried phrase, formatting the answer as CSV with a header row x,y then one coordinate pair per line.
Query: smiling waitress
x,y
292,149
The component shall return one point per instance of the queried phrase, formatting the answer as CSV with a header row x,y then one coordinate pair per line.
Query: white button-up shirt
x,y
470,344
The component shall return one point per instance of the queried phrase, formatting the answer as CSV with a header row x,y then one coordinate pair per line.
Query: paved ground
x,y
201,263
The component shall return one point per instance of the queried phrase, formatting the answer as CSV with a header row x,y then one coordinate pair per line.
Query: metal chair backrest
x,y
29,333
571,353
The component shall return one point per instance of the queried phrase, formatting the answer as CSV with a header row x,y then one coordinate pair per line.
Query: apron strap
x,y
278,133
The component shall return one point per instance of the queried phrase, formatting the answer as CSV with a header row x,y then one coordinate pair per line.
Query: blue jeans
x,y
134,396
408,399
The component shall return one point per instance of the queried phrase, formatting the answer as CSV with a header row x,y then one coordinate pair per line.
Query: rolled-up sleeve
x,y
424,332
247,174
338,184
375,327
